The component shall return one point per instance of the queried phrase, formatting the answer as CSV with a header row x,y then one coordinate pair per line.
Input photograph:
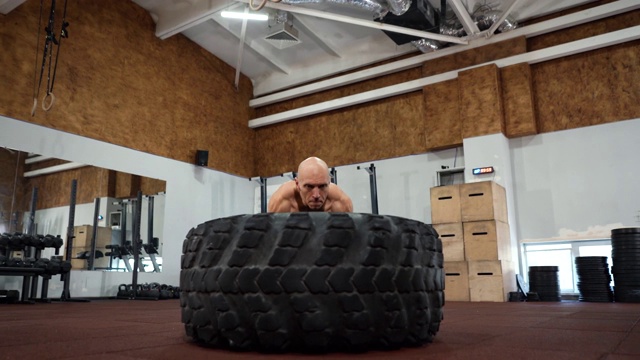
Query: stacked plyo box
x,y
472,222
82,242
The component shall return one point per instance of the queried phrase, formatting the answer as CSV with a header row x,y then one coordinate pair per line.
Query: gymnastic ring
x,y
46,107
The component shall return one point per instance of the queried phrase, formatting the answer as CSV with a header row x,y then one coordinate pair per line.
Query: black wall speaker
x,y
202,157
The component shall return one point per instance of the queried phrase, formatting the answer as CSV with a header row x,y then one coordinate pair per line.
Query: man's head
x,y
313,182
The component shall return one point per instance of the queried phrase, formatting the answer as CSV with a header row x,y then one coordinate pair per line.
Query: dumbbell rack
x,y
29,268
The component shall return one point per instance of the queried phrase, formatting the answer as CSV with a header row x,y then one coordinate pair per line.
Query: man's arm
x,y
341,201
279,201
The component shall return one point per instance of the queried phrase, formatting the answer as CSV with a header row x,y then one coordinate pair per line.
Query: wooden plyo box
x,y
456,277
491,280
451,235
83,233
484,200
445,204
487,240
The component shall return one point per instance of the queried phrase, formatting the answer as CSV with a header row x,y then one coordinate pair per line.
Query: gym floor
x,y
128,329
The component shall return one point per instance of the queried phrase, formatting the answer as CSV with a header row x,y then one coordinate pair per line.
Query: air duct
x,y
399,7
427,45
378,8
484,17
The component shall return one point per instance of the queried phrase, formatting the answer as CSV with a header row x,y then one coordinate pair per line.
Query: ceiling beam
x,y
504,15
462,13
554,52
6,6
303,25
35,159
257,48
54,169
361,22
581,17
175,22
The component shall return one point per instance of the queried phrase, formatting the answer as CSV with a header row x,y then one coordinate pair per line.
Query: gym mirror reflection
x,y
104,198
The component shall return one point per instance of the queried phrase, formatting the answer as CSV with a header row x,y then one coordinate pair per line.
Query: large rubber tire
x,y
312,282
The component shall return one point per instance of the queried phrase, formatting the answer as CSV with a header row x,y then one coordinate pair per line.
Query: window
x,y
562,255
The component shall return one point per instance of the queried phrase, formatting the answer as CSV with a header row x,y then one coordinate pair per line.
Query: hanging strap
x,y
47,43
63,34
35,65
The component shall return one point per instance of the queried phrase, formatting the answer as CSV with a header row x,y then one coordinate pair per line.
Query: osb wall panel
x,y
383,129
360,87
118,82
54,190
11,189
481,101
442,115
127,185
592,88
475,56
274,149
517,96
150,186
599,27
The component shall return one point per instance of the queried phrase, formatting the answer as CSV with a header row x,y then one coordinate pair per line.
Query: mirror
x,y
22,173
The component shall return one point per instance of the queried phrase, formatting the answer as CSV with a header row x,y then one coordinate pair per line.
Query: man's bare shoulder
x,y
283,199
340,201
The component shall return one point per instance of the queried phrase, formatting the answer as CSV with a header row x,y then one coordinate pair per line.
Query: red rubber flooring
x,y
123,329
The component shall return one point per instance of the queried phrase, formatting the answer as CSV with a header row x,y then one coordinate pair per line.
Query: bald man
x,y
311,190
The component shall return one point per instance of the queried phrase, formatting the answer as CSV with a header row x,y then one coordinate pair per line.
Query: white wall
x,y
493,150
577,184
194,195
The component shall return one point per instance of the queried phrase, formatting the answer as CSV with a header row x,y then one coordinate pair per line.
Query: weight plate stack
x,y
594,279
625,254
543,280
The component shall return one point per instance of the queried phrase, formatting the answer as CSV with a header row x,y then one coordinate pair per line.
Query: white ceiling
x,y
327,47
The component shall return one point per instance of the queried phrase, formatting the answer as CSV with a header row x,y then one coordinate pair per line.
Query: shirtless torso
x,y
288,199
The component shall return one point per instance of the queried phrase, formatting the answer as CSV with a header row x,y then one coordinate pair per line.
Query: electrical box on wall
x,y
450,176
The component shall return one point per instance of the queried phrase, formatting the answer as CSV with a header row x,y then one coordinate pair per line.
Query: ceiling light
x,y
248,16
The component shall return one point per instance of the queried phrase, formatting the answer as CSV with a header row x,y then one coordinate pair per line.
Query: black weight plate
x,y
626,237
594,287
538,282
544,279
596,292
624,244
543,268
625,230
590,259
541,289
594,278
627,264
538,287
627,298
628,283
592,267
594,273
625,249
593,281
